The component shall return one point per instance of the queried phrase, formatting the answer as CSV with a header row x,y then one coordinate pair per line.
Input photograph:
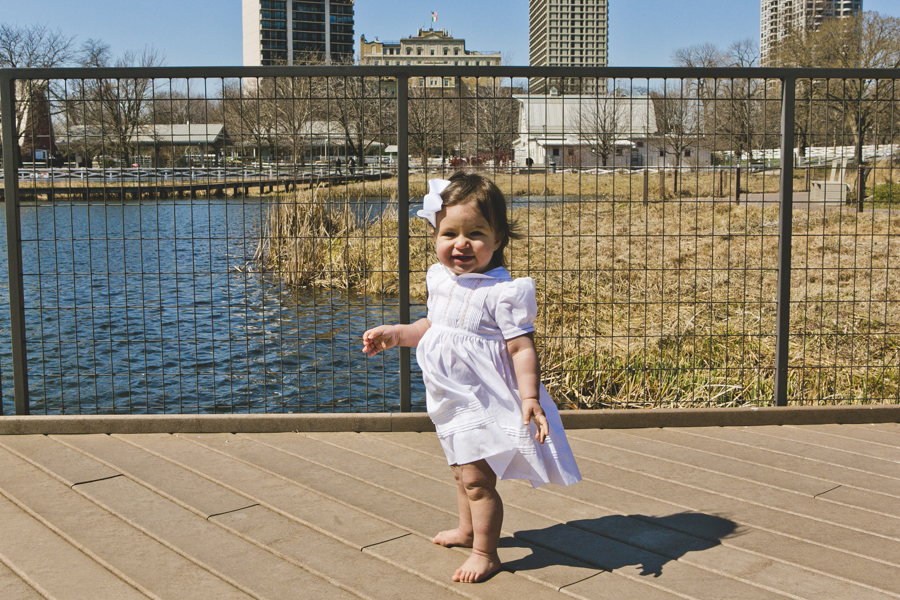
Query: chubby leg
x,y
486,509
462,535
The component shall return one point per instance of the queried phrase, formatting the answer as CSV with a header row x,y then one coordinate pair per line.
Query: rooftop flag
x,y
433,16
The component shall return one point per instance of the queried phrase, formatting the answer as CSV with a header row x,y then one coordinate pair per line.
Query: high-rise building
x,y
567,33
284,32
779,18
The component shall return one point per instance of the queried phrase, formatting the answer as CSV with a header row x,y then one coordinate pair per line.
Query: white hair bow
x,y
432,202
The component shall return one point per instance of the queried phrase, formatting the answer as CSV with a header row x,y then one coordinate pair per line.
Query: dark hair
x,y
472,188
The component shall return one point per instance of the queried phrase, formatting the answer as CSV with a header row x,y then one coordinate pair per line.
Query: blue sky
x,y
208,32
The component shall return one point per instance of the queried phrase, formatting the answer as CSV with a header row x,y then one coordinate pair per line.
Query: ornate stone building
x,y
430,47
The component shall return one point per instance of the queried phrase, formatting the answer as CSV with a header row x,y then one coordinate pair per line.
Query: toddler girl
x,y
476,350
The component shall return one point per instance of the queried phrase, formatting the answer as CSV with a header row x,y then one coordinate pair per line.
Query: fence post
x,y
737,184
14,245
860,186
785,220
403,231
646,186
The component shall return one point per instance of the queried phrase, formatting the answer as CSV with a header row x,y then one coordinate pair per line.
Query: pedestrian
x,y
476,351
337,164
351,165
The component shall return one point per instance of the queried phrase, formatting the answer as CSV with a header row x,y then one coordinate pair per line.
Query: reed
x,y
659,304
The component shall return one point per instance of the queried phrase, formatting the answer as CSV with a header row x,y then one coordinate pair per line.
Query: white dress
x,y
471,390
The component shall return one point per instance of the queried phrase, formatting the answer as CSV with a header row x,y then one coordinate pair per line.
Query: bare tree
x,y
274,114
427,121
361,109
868,40
28,47
677,113
493,115
700,56
118,109
597,125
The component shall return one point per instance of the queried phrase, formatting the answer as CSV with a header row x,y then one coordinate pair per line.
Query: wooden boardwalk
x,y
769,512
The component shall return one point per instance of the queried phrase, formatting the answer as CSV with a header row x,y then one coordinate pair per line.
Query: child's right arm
x,y
387,336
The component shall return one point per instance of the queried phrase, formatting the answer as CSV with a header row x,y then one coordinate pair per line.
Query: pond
x,y
150,307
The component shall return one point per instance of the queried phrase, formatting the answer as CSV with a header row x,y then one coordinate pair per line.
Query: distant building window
x,y
432,51
687,152
556,152
639,144
662,151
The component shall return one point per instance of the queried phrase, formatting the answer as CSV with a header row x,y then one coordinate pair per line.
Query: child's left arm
x,y
528,374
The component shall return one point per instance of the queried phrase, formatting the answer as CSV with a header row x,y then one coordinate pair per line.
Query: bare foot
x,y
478,567
453,537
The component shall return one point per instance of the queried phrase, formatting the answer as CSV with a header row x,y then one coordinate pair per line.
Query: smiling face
x,y
465,242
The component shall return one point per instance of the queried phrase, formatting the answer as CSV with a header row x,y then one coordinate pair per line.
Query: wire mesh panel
x,y
208,245
199,243
845,316
656,280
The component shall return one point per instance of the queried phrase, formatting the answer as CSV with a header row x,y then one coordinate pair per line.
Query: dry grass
x,y
664,304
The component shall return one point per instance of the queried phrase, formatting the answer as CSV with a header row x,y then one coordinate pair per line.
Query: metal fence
x,y
217,239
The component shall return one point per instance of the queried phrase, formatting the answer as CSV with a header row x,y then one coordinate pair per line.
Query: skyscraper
x,y
778,18
567,33
284,32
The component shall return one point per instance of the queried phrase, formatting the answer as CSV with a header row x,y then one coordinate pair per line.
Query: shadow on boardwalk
x,y
670,536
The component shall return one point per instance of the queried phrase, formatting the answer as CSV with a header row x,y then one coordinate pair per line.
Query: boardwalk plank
x,y
756,536
675,476
550,533
148,563
863,448
351,527
887,434
12,587
156,473
649,520
694,439
26,544
700,548
361,572
540,564
786,532
71,466
884,432
647,443
607,585
377,501
766,439
411,515
438,564
818,487
226,555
